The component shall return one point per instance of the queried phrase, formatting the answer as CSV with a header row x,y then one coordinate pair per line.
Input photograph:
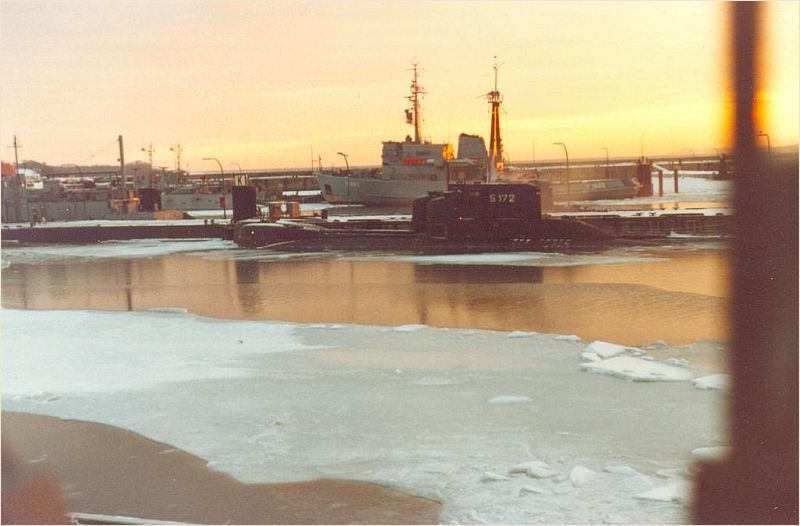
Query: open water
x,y
675,292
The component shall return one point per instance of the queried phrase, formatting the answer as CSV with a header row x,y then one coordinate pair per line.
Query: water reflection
x,y
476,274
677,299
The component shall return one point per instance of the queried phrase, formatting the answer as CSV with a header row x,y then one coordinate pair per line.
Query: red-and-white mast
x,y
495,143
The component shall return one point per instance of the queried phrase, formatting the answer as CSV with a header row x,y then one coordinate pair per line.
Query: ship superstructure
x,y
409,169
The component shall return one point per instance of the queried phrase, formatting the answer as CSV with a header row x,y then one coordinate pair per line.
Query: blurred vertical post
x,y
758,482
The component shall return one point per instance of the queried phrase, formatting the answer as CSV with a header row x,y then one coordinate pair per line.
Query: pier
x,y
95,233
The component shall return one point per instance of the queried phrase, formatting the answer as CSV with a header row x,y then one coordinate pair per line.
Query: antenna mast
x,y
413,114
495,143
177,149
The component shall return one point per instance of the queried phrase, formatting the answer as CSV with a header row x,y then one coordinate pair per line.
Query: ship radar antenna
x,y
413,113
495,142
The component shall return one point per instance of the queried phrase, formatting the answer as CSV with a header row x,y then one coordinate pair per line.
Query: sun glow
x,y
262,84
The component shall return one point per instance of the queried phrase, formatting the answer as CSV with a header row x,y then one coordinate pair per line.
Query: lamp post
x,y
347,163
345,160
607,169
569,201
78,168
221,171
222,203
762,134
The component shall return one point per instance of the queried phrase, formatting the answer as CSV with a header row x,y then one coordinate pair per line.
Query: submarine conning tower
x,y
480,212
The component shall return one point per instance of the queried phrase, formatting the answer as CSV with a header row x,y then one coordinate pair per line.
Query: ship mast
x,y
413,114
495,143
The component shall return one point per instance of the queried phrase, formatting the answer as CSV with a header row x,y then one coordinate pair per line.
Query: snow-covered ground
x,y
502,427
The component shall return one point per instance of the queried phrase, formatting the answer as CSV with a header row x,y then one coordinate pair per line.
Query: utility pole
x,y
122,165
20,177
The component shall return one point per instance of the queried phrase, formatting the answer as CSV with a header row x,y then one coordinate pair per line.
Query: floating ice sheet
x,y
267,401
118,351
522,259
712,381
639,370
604,349
135,248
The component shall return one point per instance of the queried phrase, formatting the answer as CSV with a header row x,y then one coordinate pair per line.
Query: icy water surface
x,y
457,415
675,293
387,377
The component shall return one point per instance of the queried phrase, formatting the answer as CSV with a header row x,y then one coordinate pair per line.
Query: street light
x,y
762,134
177,150
569,201
221,171
606,149
78,168
345,160
239,167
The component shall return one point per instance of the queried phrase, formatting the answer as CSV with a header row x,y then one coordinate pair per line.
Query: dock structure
x,y
568,227
95,233
644,226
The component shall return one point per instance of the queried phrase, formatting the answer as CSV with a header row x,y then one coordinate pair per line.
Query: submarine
x,y
464,218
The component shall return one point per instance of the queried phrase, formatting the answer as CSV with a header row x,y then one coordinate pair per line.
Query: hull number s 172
x,y
502,198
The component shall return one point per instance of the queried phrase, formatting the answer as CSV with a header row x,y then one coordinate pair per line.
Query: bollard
x,y
661,183
675,179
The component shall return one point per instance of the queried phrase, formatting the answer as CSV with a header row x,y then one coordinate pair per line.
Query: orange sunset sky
x,y
261,83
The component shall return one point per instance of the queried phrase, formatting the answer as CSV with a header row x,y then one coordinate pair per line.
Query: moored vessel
x,y
410,168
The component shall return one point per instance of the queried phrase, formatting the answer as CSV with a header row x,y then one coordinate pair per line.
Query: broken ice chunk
x,y
621,470
522,334
533,489
638,370
580,476
590,357
604,349
534,469
712,381
489,476
409,328
673,492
